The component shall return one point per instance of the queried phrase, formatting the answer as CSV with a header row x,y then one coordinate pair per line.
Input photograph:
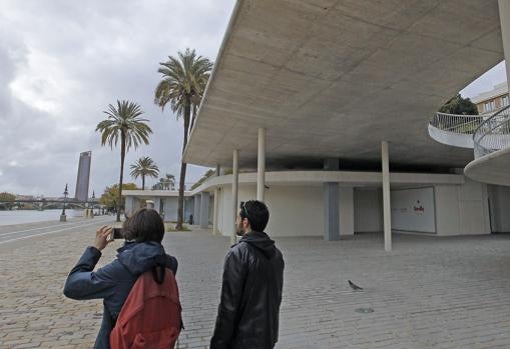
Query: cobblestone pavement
x,y
428,293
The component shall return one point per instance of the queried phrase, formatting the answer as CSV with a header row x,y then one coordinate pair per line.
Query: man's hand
x,y
102,237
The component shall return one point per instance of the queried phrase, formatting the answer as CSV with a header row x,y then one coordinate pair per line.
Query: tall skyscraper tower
x,y
82,181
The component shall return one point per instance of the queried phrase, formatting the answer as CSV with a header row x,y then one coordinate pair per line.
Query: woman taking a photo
x,y
141,252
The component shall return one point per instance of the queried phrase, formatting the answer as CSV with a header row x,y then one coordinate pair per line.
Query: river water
x,y
31,216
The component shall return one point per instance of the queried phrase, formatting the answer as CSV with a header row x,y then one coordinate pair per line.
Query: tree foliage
x,y
5,196
460,106
124,123
124,120
7,200
110,195
143,167
182,85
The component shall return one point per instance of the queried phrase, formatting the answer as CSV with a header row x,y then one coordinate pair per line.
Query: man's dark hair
x,y
144,225
257,214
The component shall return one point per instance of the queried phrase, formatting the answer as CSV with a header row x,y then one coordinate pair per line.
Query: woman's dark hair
x,y
257,214
144,225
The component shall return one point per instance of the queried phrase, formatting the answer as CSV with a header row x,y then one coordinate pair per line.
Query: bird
x,y
354,286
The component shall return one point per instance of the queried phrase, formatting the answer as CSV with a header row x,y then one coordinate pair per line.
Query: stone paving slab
x,y
429,293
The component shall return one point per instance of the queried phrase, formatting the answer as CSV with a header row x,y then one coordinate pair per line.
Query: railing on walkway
x,y
493,134
460,124
454,130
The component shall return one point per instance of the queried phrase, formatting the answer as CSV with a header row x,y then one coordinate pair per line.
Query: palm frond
x,y
183,77
144,166
124,118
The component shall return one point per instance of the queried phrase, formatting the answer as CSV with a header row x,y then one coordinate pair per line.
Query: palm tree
x,y
123,122
145,166
183,85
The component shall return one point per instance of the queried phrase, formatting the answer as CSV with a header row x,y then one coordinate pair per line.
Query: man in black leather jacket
x,y
251,291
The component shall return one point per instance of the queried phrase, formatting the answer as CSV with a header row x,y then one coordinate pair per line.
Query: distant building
x,y
82,180
490,101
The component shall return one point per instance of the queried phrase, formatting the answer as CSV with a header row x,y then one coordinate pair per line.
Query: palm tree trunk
x,y
182,177
122,156
143,182
193,117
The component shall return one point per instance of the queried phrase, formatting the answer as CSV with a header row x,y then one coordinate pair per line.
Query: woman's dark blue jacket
x,y
113,282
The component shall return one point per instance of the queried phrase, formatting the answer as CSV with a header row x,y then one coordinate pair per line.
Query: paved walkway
x,y
428,293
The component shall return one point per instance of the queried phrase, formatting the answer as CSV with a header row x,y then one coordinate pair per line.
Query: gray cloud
x,y
62,62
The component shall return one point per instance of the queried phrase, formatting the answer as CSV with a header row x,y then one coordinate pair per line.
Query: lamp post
x,y
63,215
93,203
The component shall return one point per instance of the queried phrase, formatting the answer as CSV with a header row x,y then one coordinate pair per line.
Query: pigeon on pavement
x,y
354,286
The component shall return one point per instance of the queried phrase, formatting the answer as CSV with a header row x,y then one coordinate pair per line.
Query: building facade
x,y
493,100
83,177
322,111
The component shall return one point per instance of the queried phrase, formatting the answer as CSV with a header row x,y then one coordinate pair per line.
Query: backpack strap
x,y
158,273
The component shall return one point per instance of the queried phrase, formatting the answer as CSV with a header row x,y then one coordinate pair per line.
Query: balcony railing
x,y
454,130
461,124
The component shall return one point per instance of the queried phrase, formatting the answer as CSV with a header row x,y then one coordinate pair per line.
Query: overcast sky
x,y
62,62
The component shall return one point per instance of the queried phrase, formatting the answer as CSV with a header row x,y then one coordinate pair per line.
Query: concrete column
x,y
218,170
331,212
331,204
346,211
235,194
261,165
215,210
504,17
196,209
386,195
204,210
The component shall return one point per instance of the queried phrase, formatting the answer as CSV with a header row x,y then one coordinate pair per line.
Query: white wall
x,y
474,208
447,210
368,215
298,210
294,210
412,209
462,209
170,208
499,198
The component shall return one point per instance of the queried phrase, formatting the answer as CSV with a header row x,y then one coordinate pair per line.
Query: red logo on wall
x,y
418,208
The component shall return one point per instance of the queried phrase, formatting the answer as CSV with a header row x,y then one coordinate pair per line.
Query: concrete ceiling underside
x,y
332,79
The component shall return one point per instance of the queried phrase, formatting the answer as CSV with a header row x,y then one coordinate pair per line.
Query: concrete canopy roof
x,y
331,79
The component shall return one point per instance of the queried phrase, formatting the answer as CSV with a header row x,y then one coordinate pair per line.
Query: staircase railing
x,y
493,133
